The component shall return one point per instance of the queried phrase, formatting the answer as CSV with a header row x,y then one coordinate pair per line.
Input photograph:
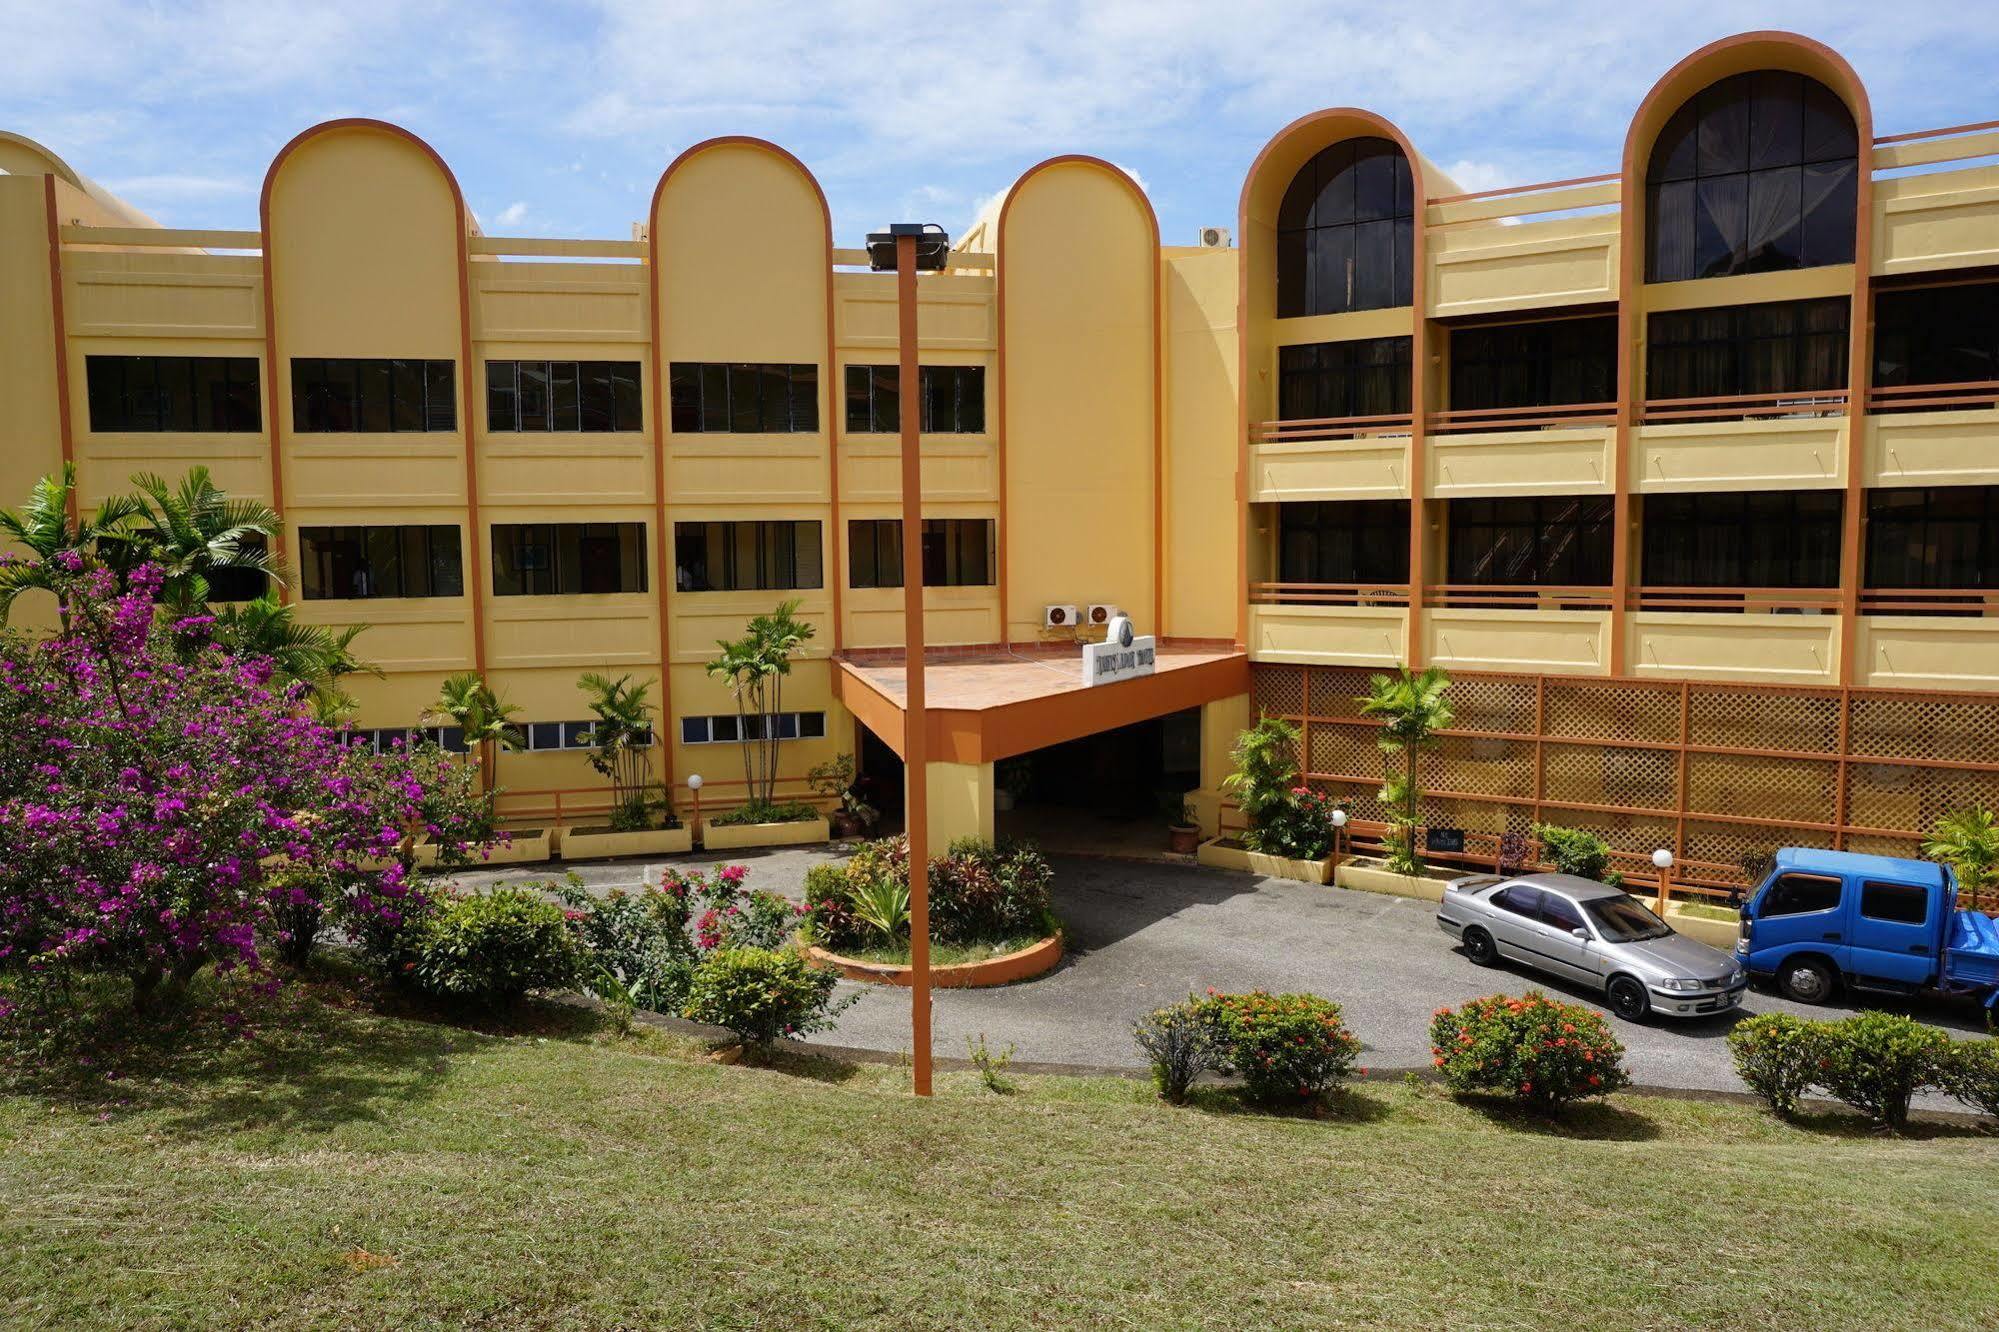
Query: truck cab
x,y
1827,917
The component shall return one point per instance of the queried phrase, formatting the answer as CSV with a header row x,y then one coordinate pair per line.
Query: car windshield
x,y
1621,920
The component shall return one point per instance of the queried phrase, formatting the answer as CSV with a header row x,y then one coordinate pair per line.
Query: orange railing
x,y
1330,427
1741,600
1747,406
1550,417
557,807
1516,596
1329,594
1929,601
1934,397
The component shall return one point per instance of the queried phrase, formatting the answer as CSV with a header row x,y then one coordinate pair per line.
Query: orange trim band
x,y
59,329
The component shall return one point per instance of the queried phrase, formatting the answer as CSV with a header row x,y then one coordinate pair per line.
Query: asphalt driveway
x,y
1146,934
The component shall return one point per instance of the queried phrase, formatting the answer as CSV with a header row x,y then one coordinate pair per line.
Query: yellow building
x,y
1688,473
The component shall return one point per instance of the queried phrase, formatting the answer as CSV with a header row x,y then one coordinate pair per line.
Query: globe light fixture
x,y
1662,859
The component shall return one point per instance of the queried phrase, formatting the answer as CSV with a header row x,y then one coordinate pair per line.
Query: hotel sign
x,y
1121,656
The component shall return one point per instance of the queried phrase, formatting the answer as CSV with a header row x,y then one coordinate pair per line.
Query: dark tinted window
x,y
567,559
1560,912
231,584
745,397
1904,903
592,396
1754,174
1780,347
1937,335
1520,900
746,556
1344,231
372,396
953,397
1761,538
957,552
1547,363
1933,537
1796,894
1318,380
186,393
359,563
1551,540
1343,541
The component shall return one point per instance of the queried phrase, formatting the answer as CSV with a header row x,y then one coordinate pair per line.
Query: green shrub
x,y
1778,1056
1877,1062
830,921
1285,1047
882,905
636,943
768,811
761,994
491,948
1971,1074
1577,851
1543,1051
980,892
1181,1044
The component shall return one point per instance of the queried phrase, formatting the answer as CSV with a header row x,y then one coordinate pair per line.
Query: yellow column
x,y
1221,722
961,803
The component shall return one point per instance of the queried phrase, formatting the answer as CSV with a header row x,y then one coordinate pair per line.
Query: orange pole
x,y
916,741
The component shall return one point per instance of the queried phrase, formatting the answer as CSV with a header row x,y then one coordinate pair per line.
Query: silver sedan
x,y
1592,934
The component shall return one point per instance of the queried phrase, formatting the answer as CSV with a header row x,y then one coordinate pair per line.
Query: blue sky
x,y
558,117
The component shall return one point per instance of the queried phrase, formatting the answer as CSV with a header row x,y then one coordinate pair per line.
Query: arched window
x,y
1754,174
1344,230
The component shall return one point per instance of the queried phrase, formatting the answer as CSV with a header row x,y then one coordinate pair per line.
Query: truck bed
x,y
1973,956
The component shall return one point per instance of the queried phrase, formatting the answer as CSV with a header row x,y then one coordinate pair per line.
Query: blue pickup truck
x,y
1829,918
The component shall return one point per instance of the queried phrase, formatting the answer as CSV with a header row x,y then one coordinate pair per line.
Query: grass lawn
x,y
345,1169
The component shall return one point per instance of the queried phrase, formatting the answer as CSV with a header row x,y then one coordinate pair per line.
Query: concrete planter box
x,y
599,843
1037,959
741,836
526,846
1221,856
1714,933
1370,877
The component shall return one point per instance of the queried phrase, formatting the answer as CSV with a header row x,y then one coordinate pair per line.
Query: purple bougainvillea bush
x,y
164,806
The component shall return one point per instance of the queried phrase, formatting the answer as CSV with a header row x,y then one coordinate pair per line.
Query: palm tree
x,y
1413,709
192,530
754,667
308,654
622,737
1967,840
43,525
487,722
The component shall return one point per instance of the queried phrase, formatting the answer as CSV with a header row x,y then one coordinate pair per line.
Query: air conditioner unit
x,y
1102,614
1058,617
640,232
1216,238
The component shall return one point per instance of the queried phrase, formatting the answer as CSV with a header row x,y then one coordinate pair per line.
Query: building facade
x,y
1688,473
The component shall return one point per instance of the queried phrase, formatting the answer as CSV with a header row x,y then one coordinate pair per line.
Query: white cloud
x,y
180,187
512,215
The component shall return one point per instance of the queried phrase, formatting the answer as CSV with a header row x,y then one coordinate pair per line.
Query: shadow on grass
x,y
1342,1105
1593,1120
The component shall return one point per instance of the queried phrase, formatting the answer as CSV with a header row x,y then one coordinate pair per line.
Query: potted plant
x,y
755,667
641,820
1413,708
1183,827
833,780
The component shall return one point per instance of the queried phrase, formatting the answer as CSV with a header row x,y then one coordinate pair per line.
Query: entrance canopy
x,y
989,705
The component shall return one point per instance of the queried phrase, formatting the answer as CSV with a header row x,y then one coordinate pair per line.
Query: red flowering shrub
x,y
1536,1048
1285,1047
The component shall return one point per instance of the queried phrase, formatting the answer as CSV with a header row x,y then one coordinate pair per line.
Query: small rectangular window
x,y
693,730
747,556
1902,903
568,559
373,396
363,563
728,728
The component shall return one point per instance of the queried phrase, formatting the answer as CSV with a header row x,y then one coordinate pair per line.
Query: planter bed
x,y
1227,853
526,847
1370,876
598,842
736,836
1037,959
1705,929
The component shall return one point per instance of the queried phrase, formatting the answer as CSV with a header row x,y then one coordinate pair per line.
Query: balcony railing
x,y
1330,428
1934,397
1739,600
1329,594
1517,596
1565,416
1976,602
1747,406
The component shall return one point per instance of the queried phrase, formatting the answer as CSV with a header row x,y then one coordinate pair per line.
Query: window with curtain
x,y
1743,539
568,559
747,556
1779,347
1530,541
1320,380
1543,363
1345,230
1343,541
957,552
1754,174
744,398
1937,335
1933,537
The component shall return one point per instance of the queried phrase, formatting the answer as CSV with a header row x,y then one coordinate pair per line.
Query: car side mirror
x,y
1580,933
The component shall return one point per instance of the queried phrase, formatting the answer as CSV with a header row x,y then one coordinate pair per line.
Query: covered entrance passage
x,y
1066,749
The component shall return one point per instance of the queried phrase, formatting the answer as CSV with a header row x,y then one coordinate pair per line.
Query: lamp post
x,y
906,249
694,789
1662,860
1339,817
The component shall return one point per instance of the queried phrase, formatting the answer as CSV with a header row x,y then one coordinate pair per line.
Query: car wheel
x,y
1480,948
1807,980
1628,999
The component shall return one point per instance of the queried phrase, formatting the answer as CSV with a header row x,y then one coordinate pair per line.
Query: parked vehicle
x,y
1588,932
1822,919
